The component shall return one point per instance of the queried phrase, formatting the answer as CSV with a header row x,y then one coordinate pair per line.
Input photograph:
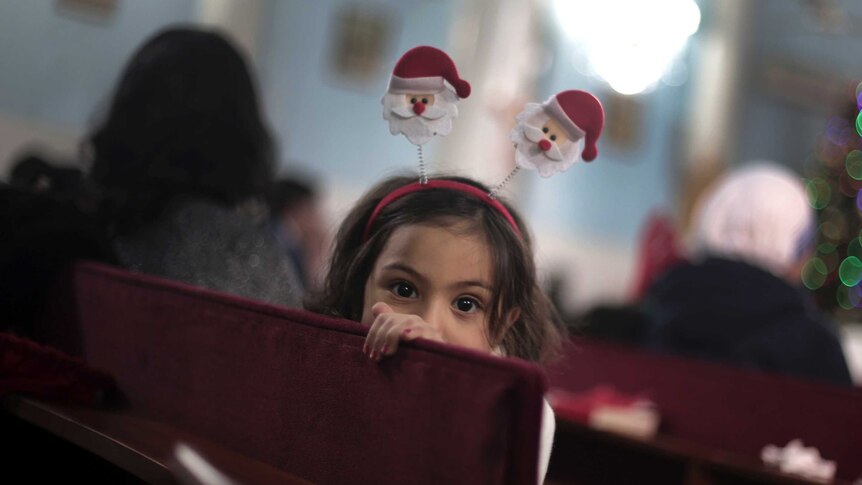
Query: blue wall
x,y
326,127
56,68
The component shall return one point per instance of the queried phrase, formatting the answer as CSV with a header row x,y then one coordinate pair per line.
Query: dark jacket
x,y
40,235
736,313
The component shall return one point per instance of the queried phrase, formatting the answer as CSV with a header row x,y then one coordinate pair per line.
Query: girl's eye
x,y
412,100
404,289
545,129
466,304
424,100
553,137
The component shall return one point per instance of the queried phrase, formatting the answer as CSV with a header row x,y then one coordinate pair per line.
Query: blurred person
x,y
298,226
740,300
40,236
45,224
182,153
625,323
659,250
33,172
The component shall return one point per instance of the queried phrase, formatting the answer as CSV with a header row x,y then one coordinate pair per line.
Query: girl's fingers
x,y
389,328
421,331
379,346
382,320
378,341
379,325
393,335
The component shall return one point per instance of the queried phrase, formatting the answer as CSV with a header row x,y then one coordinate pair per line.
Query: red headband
x,y
439,184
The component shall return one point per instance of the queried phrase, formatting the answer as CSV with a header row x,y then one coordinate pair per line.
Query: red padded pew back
x,y
724,407
293,388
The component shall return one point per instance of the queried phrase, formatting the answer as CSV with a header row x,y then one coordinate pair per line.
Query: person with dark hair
x,y
182,153
298,225
445,261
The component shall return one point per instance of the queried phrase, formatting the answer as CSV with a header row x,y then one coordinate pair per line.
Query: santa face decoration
x,y
423,92
420,116
551,137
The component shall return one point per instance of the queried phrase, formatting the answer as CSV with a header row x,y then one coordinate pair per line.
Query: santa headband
x,y
468,189
413,109
553,108
423,69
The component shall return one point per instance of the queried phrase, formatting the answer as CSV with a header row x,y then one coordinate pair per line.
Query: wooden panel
x,y
136,444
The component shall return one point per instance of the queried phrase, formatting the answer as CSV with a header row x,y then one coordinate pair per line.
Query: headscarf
x,y
758,214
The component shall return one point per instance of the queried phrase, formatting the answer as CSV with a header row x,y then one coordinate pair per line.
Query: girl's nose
x,y
432,314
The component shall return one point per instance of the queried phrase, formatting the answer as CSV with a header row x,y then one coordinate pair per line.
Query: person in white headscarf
x,y
757,214
740,301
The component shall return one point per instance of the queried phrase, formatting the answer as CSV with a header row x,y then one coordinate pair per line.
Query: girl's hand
x,y
389,328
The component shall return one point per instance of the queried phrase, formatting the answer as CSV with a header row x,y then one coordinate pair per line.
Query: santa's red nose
x,y
418,107
544,145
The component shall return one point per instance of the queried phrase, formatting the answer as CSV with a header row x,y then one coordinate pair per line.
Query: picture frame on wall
x,y
360,45
88,10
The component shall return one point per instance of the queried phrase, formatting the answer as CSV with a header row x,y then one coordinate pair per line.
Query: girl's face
x,y
441,274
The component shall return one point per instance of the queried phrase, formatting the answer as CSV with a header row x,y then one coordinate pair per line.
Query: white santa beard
x,y
420,129
528,154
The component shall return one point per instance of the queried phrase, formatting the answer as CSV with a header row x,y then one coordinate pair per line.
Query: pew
x,y
55,441
292,390
715,421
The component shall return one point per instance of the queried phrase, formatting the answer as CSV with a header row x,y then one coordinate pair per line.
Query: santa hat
x,y
422,70
581,115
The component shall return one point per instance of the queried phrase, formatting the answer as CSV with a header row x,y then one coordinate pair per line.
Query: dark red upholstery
x,y
726,408
27,367
293,388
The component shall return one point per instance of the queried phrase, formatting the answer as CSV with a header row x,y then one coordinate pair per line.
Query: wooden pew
x,y
141,447
293,390
715,421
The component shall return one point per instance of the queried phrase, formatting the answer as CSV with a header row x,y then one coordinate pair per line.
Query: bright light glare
x,y
629,43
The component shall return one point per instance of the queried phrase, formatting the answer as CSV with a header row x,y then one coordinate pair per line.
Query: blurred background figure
x,y
297,222
741,300
659,251
184,156
35,173
46,223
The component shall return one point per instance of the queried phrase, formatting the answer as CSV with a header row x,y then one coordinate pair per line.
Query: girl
x,y
442,261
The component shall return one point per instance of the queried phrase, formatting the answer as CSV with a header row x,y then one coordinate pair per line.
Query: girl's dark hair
x,y
537,333
184,120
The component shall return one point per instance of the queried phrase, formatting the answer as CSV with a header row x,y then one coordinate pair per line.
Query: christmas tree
x,y
834,180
